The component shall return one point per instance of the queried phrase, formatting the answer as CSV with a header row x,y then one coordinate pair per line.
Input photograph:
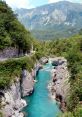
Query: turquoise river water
x,y
39,103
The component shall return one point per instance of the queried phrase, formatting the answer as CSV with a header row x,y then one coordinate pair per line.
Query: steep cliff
x,y
59,86
27,82
11,101
15,42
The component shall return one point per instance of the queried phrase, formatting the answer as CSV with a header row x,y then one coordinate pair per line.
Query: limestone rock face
x,y
12,102
27,82
44,60
52,20
8,53
59,85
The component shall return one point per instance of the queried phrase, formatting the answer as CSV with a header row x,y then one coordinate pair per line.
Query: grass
x,y
10,69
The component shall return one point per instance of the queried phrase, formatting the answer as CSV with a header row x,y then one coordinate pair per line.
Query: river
x,y
39,103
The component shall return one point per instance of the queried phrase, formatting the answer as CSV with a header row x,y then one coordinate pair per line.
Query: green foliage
x,y
76,113
4,82
12,68
80,32
12,33
71,49
67,114
39,47
54,33
1,115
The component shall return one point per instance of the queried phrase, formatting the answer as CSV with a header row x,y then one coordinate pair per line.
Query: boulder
x,y
44,60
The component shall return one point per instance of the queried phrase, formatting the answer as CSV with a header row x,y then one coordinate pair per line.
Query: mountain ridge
x,y
48,5
62,18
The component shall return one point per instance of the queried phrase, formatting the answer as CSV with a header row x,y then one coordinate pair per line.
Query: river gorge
x,y
39,103
41,92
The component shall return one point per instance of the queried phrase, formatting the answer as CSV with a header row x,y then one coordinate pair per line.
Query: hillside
x,y
61,19
13,36
12,32
71,49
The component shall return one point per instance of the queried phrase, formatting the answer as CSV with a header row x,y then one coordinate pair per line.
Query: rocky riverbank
x,y
59,84
11,99
11,102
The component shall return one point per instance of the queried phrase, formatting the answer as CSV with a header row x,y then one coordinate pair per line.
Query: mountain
x,y
61,19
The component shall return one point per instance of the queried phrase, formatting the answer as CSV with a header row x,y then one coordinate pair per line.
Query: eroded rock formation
x,y
11,102
27,82
59,85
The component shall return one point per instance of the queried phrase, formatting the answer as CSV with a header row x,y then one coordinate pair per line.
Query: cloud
x,y
31,4
77,1
19,3
52,1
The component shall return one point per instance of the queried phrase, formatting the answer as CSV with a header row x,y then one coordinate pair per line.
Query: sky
x,y
33,3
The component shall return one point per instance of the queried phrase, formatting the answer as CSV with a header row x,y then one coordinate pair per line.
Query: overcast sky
x,y
33,3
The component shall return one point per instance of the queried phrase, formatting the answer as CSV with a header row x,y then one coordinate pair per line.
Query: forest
x,y
13,34
71,49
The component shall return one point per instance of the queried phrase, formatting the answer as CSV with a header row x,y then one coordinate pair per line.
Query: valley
x,y
41,75
57,20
